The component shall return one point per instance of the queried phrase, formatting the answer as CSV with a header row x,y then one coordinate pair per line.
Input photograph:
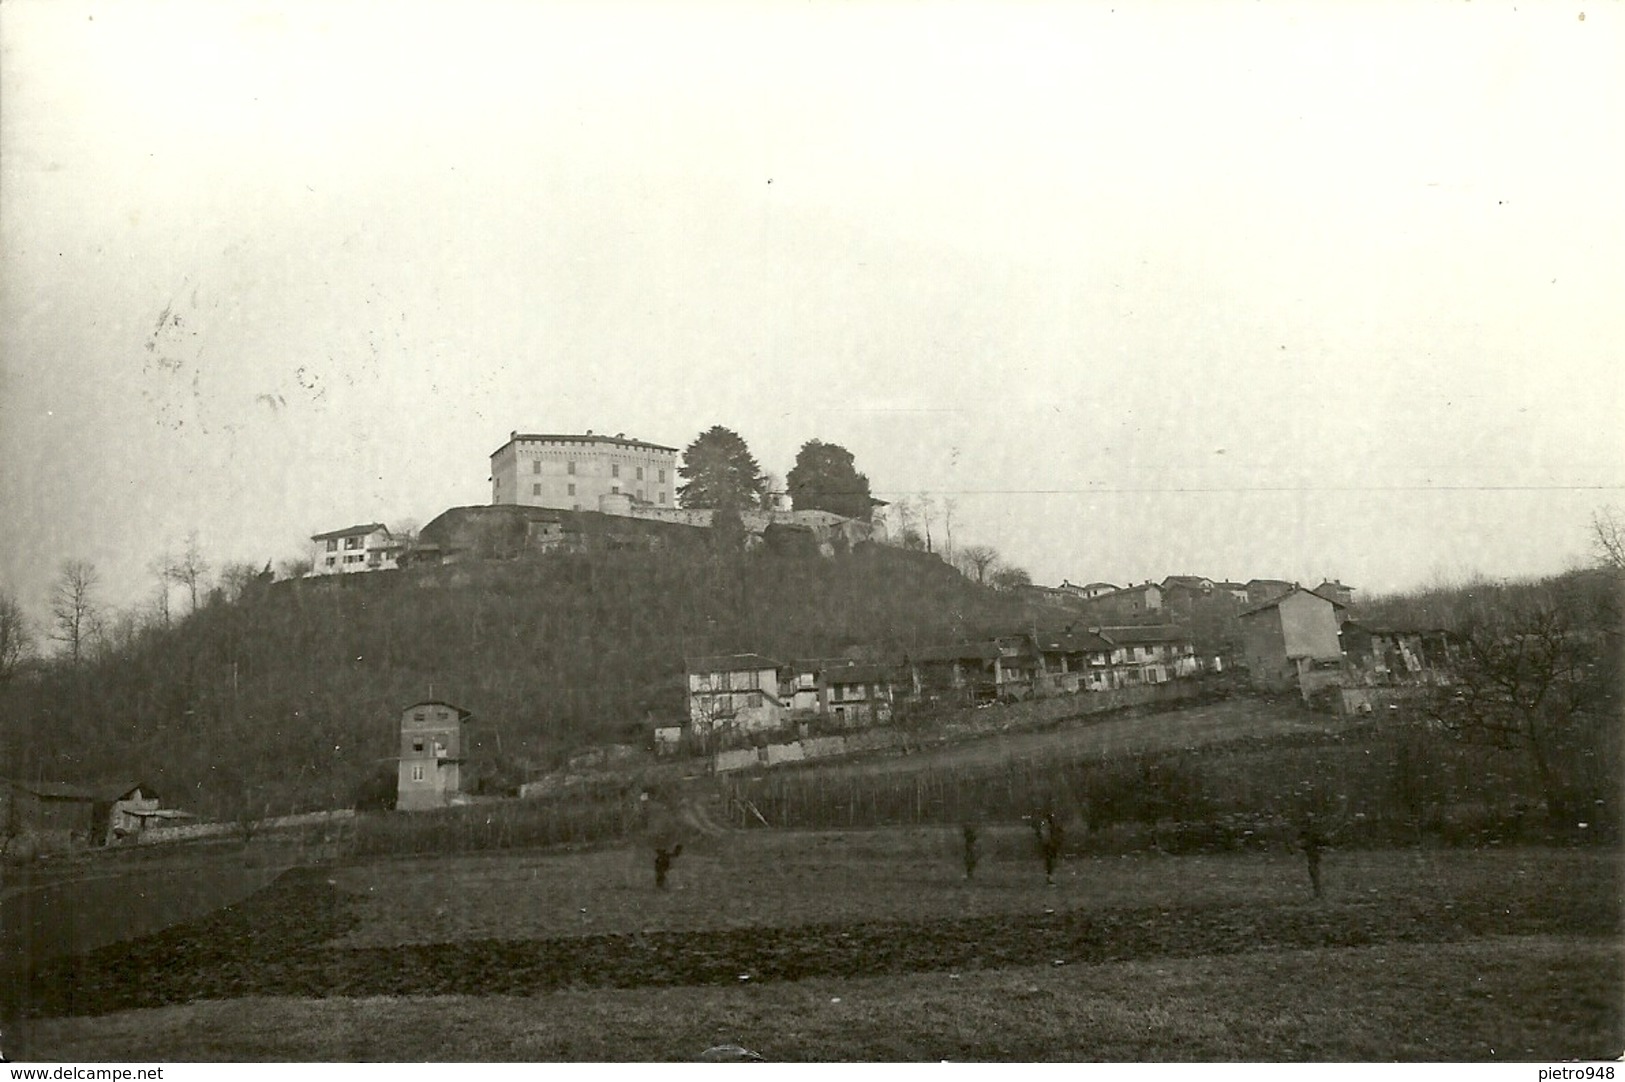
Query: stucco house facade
x,y
364,547
578,472
1292,641
433,748
733,693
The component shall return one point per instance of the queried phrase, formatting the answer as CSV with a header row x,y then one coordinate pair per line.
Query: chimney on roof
x,y
514,434
589,431
620,435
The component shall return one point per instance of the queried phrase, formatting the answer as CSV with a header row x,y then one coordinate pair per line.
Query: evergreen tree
x,y
825,479
719,472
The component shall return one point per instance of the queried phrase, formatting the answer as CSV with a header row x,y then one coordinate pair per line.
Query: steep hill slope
x,y
291,695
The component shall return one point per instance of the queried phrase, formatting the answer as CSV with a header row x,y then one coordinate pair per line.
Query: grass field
x,y
1520,999
779,878
872,944
1127,733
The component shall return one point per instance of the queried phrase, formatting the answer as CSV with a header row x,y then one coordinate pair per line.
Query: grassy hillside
x,y
290,696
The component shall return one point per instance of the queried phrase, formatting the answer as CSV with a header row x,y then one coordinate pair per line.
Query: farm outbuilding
x,y
92,814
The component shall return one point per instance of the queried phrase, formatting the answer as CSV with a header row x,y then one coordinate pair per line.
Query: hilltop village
x,y
604,618
555,493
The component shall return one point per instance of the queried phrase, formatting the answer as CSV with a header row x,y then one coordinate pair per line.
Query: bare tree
x,y
1009,576
906,516
190,569
979,560
972,856
237,580
16,637
1608,537
160,569
296,567
74,607
116,633
1538,674
1051,838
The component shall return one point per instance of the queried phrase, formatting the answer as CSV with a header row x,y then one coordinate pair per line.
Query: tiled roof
x,y
861,673
1274,601
1072,642
974,651
1132,636
585,437
730,663
349,531
441,702
1395,629
106,792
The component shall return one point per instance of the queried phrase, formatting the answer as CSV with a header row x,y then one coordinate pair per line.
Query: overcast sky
x,y
1236,289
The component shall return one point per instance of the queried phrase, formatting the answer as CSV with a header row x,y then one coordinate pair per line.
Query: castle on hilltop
x,y
539,481
579,473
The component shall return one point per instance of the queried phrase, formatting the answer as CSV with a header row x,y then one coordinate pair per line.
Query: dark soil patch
x,y
273,944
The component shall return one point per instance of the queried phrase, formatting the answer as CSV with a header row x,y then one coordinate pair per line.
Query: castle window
x,y
572,488
570,467
332,544
615,470
418,716
640,473
615,490
662,476
417,773
536,466
417,743
662,497
535,490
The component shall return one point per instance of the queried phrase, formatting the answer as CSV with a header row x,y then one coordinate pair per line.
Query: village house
x,y
1292,641
432,756
1262,590
1381,655
1088,590
1343,595
1130,603
959,671
92,815
1075,661
735,694
574,472
799,692
1237,591
367,547
856,693
1150,655
1183,593
1192,583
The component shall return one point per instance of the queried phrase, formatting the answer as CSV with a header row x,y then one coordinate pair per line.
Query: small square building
x,y
432,755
